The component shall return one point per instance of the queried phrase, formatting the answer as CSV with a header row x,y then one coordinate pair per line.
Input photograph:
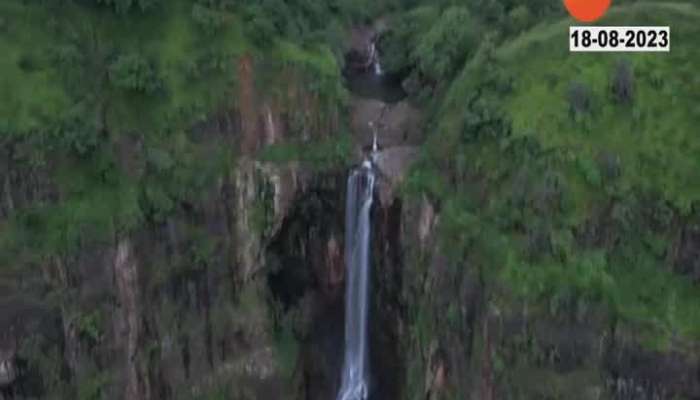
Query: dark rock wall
x,y
179,307
465,339
242,296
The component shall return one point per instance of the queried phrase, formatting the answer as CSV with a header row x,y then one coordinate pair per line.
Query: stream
x,y
370,81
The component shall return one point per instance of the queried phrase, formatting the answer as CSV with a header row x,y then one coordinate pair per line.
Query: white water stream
x,y
360,188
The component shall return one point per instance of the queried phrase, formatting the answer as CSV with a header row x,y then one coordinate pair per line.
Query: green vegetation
x,y
120,118
331,153
102,99
575,173
286,350
433,40
651,135
563,182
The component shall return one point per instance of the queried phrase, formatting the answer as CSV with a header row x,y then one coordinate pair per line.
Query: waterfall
x,y
360,187
377,65
374,59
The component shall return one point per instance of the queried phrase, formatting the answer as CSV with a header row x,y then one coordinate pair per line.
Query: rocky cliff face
x,y
448,333
241,296
460,337
182,308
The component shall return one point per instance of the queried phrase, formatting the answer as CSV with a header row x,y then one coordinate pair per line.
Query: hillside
x,y
176,198
572,190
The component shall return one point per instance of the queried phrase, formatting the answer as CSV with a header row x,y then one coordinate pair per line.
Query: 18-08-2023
x,y
619,38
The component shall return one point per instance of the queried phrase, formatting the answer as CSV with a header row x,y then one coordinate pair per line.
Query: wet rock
x,y
637,373
264,194
257,368
249,116
436,374
412,84
426,221
335,262
322,352
306,252
8,365
567,346
396,124
260,364
393,164
359,55
274,126
128,321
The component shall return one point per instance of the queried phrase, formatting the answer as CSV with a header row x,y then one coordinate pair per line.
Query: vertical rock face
x,y
180,323
460,341
334,262
181,307
306,272
246,103
274,126
250,197
307,245
8,362
426,224
264,194
128,321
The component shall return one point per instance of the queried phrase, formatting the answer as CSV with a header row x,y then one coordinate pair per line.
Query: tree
x,y
519,19
124,6
134,72
445,47
398,43
580,99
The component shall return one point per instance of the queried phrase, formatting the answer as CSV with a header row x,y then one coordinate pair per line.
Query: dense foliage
x,y
562,182
102,98
572,182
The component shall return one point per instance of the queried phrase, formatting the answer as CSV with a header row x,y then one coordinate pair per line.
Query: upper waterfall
x,y
359,197
374,59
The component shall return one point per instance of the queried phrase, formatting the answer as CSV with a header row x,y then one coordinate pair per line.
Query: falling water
x,y
369,80
374,59
377,66
354,385
375,147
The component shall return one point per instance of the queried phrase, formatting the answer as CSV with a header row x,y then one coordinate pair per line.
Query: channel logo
x,y
587,10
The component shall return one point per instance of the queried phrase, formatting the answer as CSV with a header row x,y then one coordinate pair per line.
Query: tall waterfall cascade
x,y
374,59
360,188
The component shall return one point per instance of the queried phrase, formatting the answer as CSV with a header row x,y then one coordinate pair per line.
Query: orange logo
x,y
587,10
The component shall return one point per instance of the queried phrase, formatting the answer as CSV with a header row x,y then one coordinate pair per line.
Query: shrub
x,y
210,21
519,19
445,47
490,10
580,99
259,28
398,42
27,63
124,6
622,85
609,164
134,72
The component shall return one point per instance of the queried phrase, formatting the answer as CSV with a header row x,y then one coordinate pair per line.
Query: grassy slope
x,y
100,194
169,37
27,95
198,75
655,140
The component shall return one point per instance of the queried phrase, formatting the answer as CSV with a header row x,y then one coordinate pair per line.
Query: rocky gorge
x,y
238,293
